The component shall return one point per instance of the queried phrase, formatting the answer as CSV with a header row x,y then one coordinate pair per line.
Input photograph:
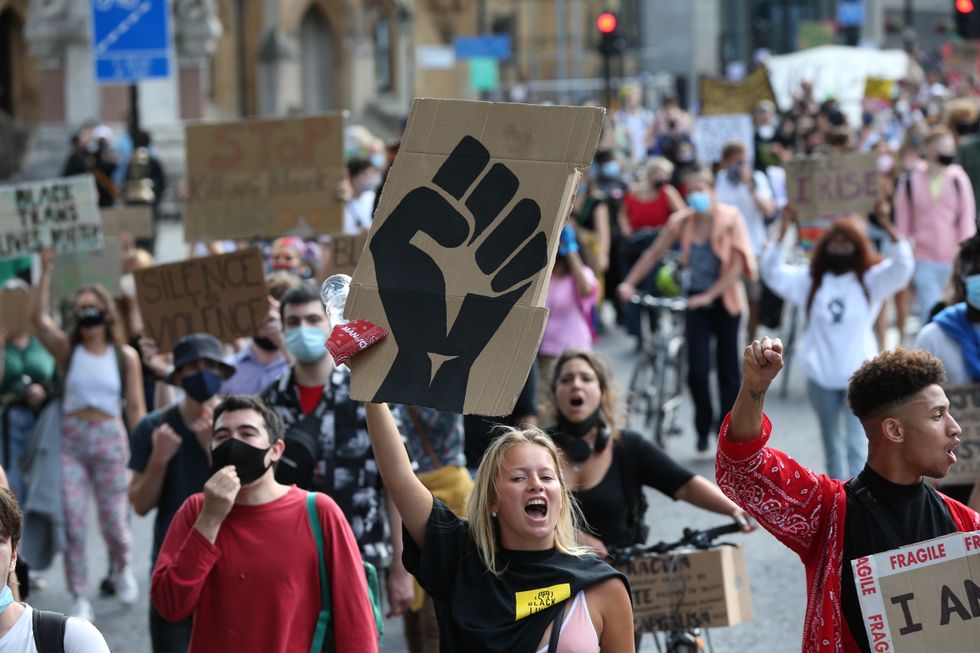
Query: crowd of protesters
x,y
242,447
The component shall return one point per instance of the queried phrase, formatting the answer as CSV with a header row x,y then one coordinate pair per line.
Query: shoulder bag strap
x,y
49,631
858,490
326,606
424,436
556,629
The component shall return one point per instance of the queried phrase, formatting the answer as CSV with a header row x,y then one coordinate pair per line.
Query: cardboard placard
x,y
345,252
832,185
701,589
137,221
964,406
60,213
16,311
223,295
879,89
77,269
711,133
719,97
264,178
922,598
459,256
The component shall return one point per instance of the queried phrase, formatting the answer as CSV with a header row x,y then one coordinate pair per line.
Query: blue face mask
x,y
972,284
306,343
610,169
6,598
202,385
378,160
700,201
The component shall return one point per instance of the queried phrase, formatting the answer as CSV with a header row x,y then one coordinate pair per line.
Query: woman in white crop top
x,y
98,386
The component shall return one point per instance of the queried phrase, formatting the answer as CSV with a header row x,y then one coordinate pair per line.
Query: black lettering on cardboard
x,y
950,603
910,626
972,596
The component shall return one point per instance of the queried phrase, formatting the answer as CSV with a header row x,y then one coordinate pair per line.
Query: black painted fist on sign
x,y
435,355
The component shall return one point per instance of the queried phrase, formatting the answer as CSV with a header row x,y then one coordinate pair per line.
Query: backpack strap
x,y
859,491
49,631
325,617
556,629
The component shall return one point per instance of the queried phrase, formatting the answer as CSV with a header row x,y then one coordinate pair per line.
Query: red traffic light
x,y
964,6
606,22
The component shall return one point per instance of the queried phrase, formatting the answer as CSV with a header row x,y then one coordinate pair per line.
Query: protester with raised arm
x,y
911,435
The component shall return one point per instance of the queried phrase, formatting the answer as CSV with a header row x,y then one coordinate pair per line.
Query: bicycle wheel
x,y
661,395
640,400
672,396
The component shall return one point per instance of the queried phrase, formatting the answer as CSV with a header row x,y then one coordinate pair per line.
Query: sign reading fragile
x,y
832,185
264,178
59,213
223,295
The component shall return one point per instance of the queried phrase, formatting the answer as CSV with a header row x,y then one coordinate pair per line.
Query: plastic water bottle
x,y
333,293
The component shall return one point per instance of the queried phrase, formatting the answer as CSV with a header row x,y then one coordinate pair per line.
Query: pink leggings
x,y
94,454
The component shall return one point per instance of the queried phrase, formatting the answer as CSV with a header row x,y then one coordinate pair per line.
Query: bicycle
x,y
678,639
656,389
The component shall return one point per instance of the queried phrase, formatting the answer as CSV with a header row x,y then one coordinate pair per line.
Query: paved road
x,y
776,575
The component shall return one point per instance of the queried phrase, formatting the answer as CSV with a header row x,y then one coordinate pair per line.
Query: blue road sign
x,y
484,47
130,40
850,13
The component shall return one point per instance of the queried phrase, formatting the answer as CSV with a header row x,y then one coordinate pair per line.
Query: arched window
x,y
382,55
316,50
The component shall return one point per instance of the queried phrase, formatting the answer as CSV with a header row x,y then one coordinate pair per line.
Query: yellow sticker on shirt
x,y
532,601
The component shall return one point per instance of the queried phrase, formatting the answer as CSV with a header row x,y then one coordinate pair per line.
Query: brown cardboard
x,y
922,598
345,251
457,343
76,269
720,97
701,589
964,406
223,295
264,178
16,311
832,185
137,221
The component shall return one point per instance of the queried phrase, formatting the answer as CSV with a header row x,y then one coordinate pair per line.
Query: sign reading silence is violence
x,y
264,178
223,295
460,251
59,213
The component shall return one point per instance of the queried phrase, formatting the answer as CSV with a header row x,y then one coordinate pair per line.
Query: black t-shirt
x,y
606,505
186,474
917,513
478,611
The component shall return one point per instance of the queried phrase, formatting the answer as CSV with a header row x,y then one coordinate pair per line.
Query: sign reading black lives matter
x,y
223,295
460,251
59,213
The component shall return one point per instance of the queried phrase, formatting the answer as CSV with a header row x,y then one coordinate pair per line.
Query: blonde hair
x,y
659,164
483,527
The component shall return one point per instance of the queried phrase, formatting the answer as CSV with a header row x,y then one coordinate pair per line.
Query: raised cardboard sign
x,y
711,133
345,252
266,178
719,97
223,295
458,260
16,311
137,221
832,185
76,269
964,406
923,598
59,213
701,589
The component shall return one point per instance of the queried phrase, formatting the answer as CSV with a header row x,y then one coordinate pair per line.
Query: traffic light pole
x,y
607,76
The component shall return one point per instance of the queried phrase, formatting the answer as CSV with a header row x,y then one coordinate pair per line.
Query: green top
x,y
33,361
10,268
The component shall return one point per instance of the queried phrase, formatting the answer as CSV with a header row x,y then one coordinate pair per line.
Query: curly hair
x,y
891,378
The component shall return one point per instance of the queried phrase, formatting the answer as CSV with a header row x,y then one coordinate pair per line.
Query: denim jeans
x,y
852,444
20,427
929,279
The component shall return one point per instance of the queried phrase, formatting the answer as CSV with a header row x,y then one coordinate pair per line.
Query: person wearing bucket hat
x,y
169,458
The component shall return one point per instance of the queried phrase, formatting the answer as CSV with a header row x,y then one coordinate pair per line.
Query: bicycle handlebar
x,y
678,304
695,539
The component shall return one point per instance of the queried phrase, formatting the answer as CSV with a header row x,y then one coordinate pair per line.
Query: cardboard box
x,y
345,252
223,295
964,406
264,178
461,249
832,185
719,96
922,598
16,311
59,213
701,589
137,221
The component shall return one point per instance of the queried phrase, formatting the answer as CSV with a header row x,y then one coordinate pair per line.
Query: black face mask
x,y
840,263
659,184
249,461
577,429
90,317
945,159
575,445
265,344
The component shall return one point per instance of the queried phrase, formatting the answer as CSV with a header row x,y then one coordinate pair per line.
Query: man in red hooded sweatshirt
x,y
899,399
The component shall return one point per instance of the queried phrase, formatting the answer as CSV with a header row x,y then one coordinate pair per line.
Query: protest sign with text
x,y
223,295
457,263
77,269
964,406
711,133
59,213
17,311
345,252
922,598
719,97
832,185
266,178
